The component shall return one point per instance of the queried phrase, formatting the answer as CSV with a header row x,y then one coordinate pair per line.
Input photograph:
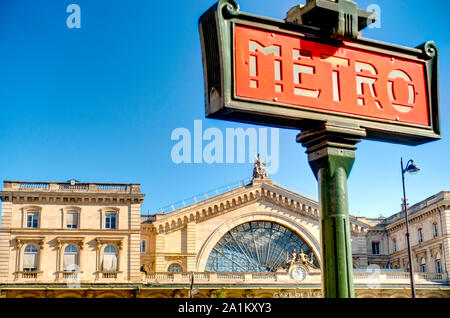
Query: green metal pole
x,y
331,154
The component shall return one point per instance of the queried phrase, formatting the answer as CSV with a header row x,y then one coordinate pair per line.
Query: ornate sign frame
x,y
217,32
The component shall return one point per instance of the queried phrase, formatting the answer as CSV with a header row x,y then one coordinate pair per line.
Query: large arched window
x,y
30,258
70,261
110,259
258,246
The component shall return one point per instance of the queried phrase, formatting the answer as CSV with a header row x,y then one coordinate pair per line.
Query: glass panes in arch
x,y
30,258
109,259
175,268
258,246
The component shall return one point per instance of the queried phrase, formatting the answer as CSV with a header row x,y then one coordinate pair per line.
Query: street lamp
x,y
412,169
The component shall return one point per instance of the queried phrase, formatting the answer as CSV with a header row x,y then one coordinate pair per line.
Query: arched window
x,y
420,233
435,230
175,268
110,259
143,246
437,262
70,261
257,246
423,265
30,258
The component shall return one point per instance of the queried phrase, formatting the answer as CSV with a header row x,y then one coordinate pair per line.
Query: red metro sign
x,y
271,72
290,70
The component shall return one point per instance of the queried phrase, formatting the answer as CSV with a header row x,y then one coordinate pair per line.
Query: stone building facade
x,y
59,232
253,239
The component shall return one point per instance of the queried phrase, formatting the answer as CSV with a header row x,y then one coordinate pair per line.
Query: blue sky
x,y
99,103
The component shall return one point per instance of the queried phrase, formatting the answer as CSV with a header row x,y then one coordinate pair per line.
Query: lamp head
x,y
412,169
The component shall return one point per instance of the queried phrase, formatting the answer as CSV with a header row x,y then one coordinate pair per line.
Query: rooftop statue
x,y
259,169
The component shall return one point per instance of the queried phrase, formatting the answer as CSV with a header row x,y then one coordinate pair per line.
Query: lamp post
x,y
412,169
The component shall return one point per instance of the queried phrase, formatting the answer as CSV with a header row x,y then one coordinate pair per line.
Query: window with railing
x,y
30,261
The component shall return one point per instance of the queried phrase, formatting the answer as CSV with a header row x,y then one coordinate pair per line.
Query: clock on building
x,y
298,273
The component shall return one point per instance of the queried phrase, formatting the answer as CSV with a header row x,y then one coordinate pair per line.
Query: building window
x,y
423,265
110,220
376,248
394,245
30,259
72,220
435,230
175,268
70,262
143,246
109,259
420,233
33,220
437,262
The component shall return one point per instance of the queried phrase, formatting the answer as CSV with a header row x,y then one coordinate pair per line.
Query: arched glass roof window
x,y
258,246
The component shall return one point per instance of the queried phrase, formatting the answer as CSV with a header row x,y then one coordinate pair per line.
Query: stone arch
x,y
110,295
285,221
28,294
69,294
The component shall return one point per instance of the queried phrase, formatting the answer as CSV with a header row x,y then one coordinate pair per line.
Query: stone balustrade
x,y
26,186
360,278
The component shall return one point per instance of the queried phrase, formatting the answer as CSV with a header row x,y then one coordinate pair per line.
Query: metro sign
x,y
293,71
270,72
